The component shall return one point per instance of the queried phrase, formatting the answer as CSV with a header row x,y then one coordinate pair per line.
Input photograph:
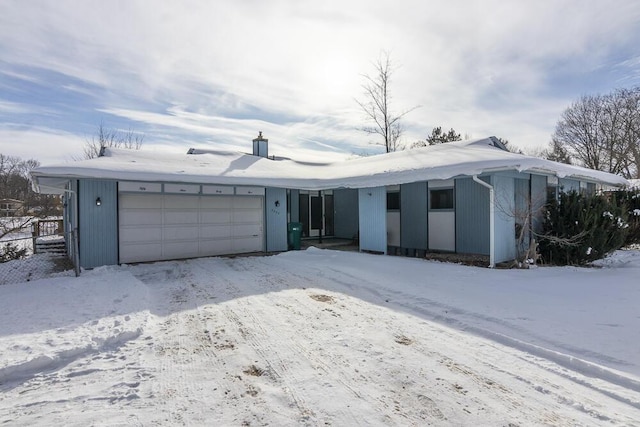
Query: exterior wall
x,y
538,200
414,227
372,208
505,242
276,219
346,217
97,225
567,185
472,217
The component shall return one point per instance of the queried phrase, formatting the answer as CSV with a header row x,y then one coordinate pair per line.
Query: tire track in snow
x,y
425,308
251,329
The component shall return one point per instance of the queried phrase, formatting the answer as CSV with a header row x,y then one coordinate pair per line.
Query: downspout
x,y
492,225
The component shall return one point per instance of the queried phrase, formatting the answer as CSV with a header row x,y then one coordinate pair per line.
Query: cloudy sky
x,y
213,73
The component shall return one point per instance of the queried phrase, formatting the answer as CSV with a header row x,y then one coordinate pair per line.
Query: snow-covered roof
x,y
444,161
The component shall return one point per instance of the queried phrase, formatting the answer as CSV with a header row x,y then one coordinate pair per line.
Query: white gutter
x,y
492,225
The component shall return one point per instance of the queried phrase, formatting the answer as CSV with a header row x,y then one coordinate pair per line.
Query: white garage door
x,y
165,226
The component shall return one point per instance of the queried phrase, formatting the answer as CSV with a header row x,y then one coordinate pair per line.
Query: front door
x,y
316,214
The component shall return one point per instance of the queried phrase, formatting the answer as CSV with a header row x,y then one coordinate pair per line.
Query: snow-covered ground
x,y
322,337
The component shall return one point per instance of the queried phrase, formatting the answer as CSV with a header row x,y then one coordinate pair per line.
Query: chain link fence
x,y
39,250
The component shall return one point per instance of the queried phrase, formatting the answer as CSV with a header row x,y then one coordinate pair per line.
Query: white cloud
x,y
226,69
42,144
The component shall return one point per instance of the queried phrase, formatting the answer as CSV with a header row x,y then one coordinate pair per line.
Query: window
x,y
441,199
393,201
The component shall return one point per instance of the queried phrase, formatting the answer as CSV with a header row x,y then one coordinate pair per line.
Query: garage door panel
x,y
141,217
249,244
247,202
215,231
181,217
140,201
216,247
180,233
170,226
247,216
140,234
181,202
216,202
176,250
140,252
215,217
247,230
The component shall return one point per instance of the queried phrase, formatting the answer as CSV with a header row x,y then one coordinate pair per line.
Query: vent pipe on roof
x,y
261,146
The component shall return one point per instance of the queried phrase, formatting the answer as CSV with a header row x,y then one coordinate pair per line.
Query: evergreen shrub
x,y
578,228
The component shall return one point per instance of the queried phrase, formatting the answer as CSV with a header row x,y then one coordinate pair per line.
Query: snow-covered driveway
x,y
322,338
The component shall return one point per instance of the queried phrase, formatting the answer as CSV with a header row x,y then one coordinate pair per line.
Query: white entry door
x,y
442,216
172,226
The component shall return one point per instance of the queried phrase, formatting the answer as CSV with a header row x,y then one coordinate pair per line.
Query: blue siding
x,y
372,204
345,203
538,200
97,225
568,185
294,209
414,227
505,224
276,219
472,217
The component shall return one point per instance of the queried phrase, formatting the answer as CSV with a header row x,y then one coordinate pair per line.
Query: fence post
x,y
34,235
76,255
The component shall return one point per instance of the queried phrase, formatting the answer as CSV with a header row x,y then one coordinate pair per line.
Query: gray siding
x,y
345,203
97,225
505,224
414,227
538,200
294,209
276,219
567,185
372,204
472,217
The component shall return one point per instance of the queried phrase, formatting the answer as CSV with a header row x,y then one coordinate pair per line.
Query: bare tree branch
x,y
111,138
376,105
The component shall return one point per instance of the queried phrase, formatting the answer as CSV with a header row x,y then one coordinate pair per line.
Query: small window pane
x,y
442,199
393,201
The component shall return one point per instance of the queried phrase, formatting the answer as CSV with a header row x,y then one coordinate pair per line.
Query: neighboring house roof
x,y
443,161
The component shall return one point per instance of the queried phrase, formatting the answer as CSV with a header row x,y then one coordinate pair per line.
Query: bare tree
x,y
15,183
111,138
377,105
602,132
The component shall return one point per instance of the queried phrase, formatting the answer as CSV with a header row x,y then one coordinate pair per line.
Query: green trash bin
x,y
295,235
